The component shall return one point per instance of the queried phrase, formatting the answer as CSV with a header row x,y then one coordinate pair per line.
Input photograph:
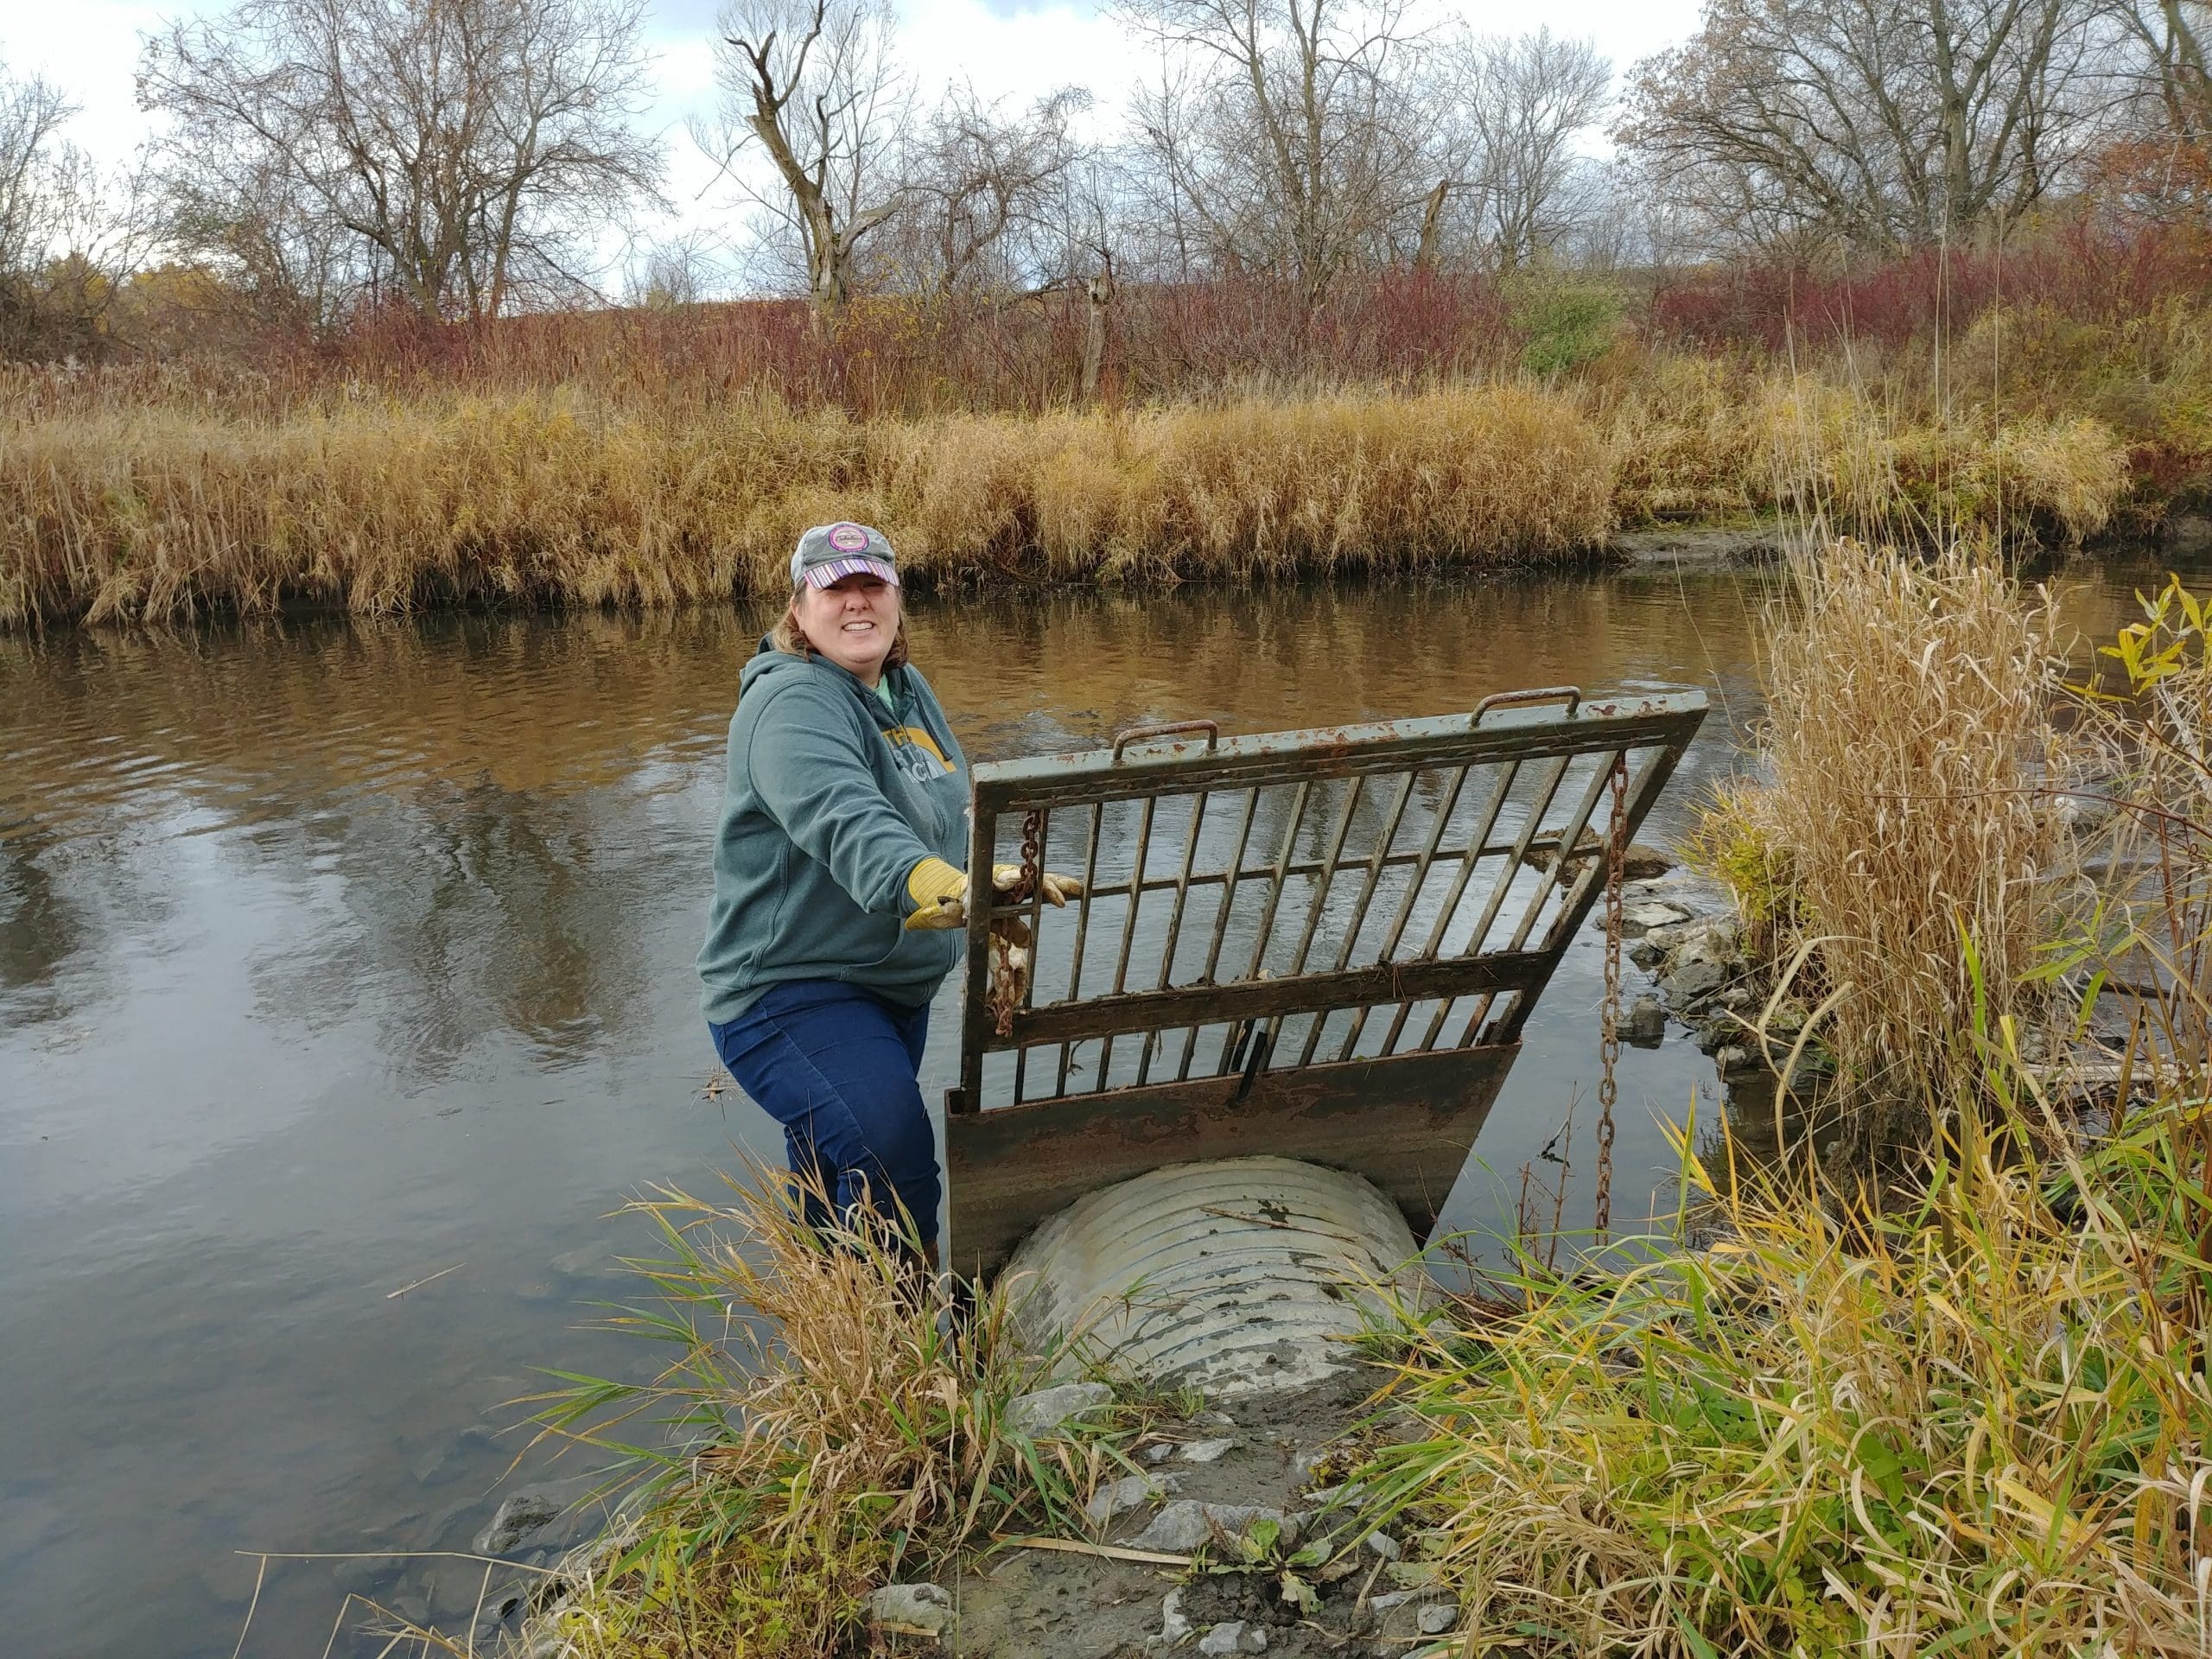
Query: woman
x,y
840,895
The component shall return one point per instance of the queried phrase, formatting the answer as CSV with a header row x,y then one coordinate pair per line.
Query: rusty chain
x,y
1609,1038
1032,851
1010,979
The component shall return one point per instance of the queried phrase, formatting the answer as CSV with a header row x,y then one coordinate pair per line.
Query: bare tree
x,y
2171,33
984,191
817,85
69,233
1520,105
469,151
1880,124
1286,130
680,270
33,165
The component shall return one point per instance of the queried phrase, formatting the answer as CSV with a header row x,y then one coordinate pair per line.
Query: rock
x,y
1385,1546
1666,938
1130,1492
1645,916
1174,1624
590,1262
1643,863
1734,1060
1186,1525
924,1607
1214,1419
1209,1451
1158,1454
1717,939
1646,955
1646,1026
1712,1039
1735,999
1429,1612
1540,858
1691,981
1235,1637
1331,1497
521,1515
1037,1415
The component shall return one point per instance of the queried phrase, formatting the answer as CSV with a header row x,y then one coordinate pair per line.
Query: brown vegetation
x,y
560,499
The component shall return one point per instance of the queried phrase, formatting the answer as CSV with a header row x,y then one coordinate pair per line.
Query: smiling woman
x,y
839,887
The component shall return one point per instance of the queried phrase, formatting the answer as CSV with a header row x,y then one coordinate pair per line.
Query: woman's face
x,y
853,622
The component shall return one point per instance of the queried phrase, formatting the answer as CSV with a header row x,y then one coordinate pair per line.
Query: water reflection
x,y
334,953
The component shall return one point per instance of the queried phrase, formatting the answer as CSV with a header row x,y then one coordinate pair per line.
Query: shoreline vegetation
x,y
1930,1379
642,459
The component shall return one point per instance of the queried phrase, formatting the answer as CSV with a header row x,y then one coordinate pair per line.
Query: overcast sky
x,y
89,48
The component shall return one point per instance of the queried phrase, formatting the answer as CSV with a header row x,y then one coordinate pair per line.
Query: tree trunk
x,y
1098,295
1432,221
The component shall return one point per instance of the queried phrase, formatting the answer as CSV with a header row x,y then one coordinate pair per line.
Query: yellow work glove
x,y
940,895
1058,889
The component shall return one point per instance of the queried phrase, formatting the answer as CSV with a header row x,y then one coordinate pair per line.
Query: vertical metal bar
x,y
1274,899
1473,857
1359,907
1435,838
1130,927
1323,879
1554,880
1175,921
1236,868
1642,790
1276,876
1081,927
976,1029
1326,877
1513,861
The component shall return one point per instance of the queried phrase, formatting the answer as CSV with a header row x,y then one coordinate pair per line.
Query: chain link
x,y
1010,978
1032,851
1609,1038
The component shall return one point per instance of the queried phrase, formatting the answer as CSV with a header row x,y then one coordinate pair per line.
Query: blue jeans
x,y
837,1066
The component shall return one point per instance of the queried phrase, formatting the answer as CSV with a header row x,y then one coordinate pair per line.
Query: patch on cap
x,y
848,538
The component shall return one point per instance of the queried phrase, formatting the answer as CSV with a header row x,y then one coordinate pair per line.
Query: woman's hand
x,y
940,893
1058,889
940,896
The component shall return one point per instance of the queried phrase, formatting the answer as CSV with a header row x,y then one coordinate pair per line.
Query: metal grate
x,y
1278,932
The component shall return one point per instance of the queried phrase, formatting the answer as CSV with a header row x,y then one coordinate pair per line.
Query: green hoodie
x,y
833,796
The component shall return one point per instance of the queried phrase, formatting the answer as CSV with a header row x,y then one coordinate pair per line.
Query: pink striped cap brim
x,y
831,570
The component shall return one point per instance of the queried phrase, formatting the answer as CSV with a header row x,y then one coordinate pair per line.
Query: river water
x,y
338,954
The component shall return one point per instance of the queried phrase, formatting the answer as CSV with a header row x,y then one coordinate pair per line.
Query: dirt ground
x,y
1021,1603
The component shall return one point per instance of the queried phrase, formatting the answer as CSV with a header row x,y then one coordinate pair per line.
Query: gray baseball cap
x,y
829,552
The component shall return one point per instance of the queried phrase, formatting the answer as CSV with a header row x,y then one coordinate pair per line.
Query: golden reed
x,y
161,508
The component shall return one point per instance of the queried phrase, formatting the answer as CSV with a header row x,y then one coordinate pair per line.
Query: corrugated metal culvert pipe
x,y
1231,1275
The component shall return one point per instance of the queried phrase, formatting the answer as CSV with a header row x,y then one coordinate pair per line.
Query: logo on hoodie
x,y
915,752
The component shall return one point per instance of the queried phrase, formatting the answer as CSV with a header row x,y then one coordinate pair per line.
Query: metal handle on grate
x,y
1172,728
1572,694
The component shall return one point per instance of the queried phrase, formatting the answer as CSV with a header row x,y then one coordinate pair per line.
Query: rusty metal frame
x,y
1022,1141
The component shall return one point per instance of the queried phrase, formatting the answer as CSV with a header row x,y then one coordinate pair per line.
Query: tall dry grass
x,y
1974,1424
1909,808
837,1422
556,498
1717,438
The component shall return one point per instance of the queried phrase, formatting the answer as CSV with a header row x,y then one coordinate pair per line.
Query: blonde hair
x,y
788,636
